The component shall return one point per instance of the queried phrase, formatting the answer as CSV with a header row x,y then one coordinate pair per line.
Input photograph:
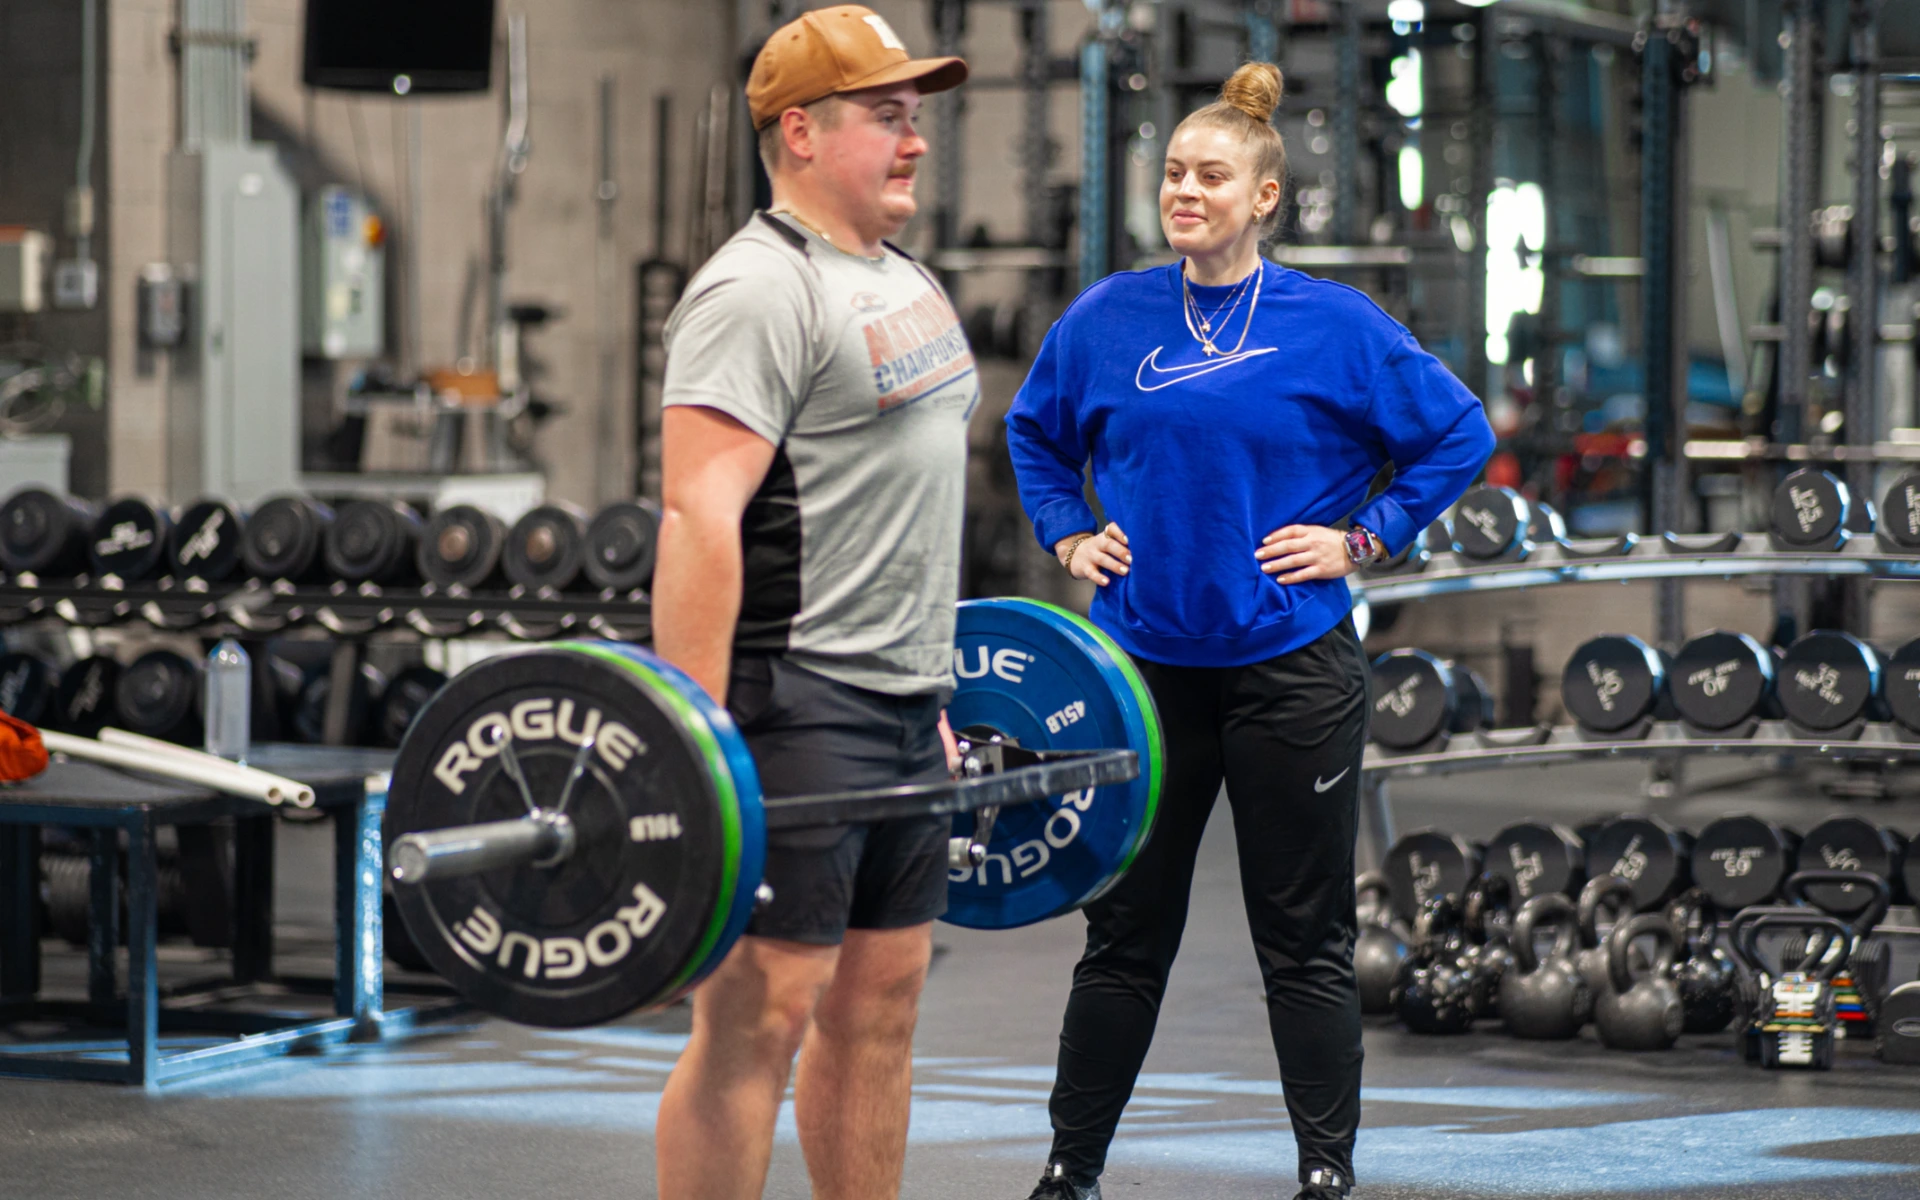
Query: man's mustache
x,y
903,172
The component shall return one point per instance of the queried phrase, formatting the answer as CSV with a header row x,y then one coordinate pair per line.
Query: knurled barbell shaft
x,y
473,849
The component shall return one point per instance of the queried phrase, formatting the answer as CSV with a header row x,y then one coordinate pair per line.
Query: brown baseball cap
x,y
845,48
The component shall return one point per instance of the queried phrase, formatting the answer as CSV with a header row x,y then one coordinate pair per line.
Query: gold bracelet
x,y
1066,555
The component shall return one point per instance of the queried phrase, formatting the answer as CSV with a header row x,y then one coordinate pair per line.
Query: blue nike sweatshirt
x,y
1199,458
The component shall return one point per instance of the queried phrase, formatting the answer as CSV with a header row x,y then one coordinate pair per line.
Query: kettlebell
x,y
1864,982
1432,992
1752,978
1602,891
1705,976
1489,952
1545,997
1639,1012
1379,949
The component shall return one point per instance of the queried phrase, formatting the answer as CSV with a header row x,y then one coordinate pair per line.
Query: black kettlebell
x,y
1432,993
1866,977
1705,976
1489,952
1600,892
1752,978
1545,997
1380,948
1643,1011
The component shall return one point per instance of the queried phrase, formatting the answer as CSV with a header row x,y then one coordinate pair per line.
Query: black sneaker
x,y
1056,1184
1323,1184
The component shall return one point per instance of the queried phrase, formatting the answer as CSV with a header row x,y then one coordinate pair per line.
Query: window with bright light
x,y
1516,233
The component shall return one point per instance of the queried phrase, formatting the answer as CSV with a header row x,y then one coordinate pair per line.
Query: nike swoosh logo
x,y
1318,786
1187,371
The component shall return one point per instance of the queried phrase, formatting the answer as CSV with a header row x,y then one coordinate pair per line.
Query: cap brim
x,y
930,74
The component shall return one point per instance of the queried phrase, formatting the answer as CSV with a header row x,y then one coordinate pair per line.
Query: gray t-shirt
x,y
857,370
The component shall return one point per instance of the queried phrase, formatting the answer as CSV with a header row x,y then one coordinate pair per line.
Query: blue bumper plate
x,y
1052,681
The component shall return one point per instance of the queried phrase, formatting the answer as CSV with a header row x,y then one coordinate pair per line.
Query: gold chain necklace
x,y
1191,308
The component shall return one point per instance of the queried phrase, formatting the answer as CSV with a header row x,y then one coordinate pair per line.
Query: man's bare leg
x,y
855,1079
715,1131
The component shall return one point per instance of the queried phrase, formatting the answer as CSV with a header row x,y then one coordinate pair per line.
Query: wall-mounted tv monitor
x,y
399,46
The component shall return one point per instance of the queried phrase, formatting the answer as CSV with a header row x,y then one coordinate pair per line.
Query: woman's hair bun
x,y
1254,89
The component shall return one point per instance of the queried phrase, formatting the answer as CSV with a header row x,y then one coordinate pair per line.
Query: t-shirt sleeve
x,y
1437,435
740,342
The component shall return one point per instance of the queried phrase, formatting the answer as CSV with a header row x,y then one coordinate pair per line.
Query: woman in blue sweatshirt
x,y
1232,412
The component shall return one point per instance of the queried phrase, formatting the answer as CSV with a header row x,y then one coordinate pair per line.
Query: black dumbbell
x,y
1536,858
285,539
1721,681
1811,509
1473,706
1490,523
1898,529
1613,682
1850,844
1412,557
28,687
373,541
1651,855
207,541
548,548
130,539
1900,686
159,694
45,534
1440,538
407,693
1416,698
461,547
84,703
1426,864
621,544
1829,680
310,713
1740,861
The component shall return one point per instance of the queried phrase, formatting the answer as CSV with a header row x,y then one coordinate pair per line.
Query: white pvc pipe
x,y
279,788
215,773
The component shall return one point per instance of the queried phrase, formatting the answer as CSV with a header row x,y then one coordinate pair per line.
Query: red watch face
x,y
1359,545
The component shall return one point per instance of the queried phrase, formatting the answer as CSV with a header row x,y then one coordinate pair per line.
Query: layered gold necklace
x,y
1201,326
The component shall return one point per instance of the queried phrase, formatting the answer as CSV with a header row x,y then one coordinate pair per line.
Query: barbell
x,y
577,831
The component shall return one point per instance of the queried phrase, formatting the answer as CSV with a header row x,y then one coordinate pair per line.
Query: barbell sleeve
x,y
472,849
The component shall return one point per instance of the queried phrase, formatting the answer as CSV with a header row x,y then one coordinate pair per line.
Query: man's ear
x,y
796,130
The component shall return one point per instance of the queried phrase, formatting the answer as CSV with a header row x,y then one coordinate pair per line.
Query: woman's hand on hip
x,y
1103,552
1298,553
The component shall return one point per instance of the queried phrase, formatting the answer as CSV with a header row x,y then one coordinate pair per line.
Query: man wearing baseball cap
x,y
818,388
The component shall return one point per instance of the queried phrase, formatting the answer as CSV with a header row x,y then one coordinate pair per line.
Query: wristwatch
x,y
1363,547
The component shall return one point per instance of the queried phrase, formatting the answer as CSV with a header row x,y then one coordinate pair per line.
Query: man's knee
x,y
760,1001
876,987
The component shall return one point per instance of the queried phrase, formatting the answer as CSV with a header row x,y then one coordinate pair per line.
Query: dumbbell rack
x,y
1450,573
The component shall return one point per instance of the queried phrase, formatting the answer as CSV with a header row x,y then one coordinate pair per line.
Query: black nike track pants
x,y
1285,735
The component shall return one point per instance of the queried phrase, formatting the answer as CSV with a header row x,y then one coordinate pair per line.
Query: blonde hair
x,y
1246,104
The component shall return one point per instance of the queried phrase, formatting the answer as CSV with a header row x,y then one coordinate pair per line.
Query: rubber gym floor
x,y
486,1109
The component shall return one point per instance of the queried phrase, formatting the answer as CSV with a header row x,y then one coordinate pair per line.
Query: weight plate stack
x,y
1537,858
1613,682
28,685
45,534
1899,526
1850,844
1051,681
373,541
159,695
1414,699
407,695
1428,863
130,540
1491,523
1901,684
207,540
1829,680
84,703
670,841
284,537
1810,511
460,548
1721,680
621,544
1740,861
1473,702
310,711
548,548
1651,855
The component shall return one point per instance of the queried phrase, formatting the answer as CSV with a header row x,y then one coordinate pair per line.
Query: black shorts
x,y
812,734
